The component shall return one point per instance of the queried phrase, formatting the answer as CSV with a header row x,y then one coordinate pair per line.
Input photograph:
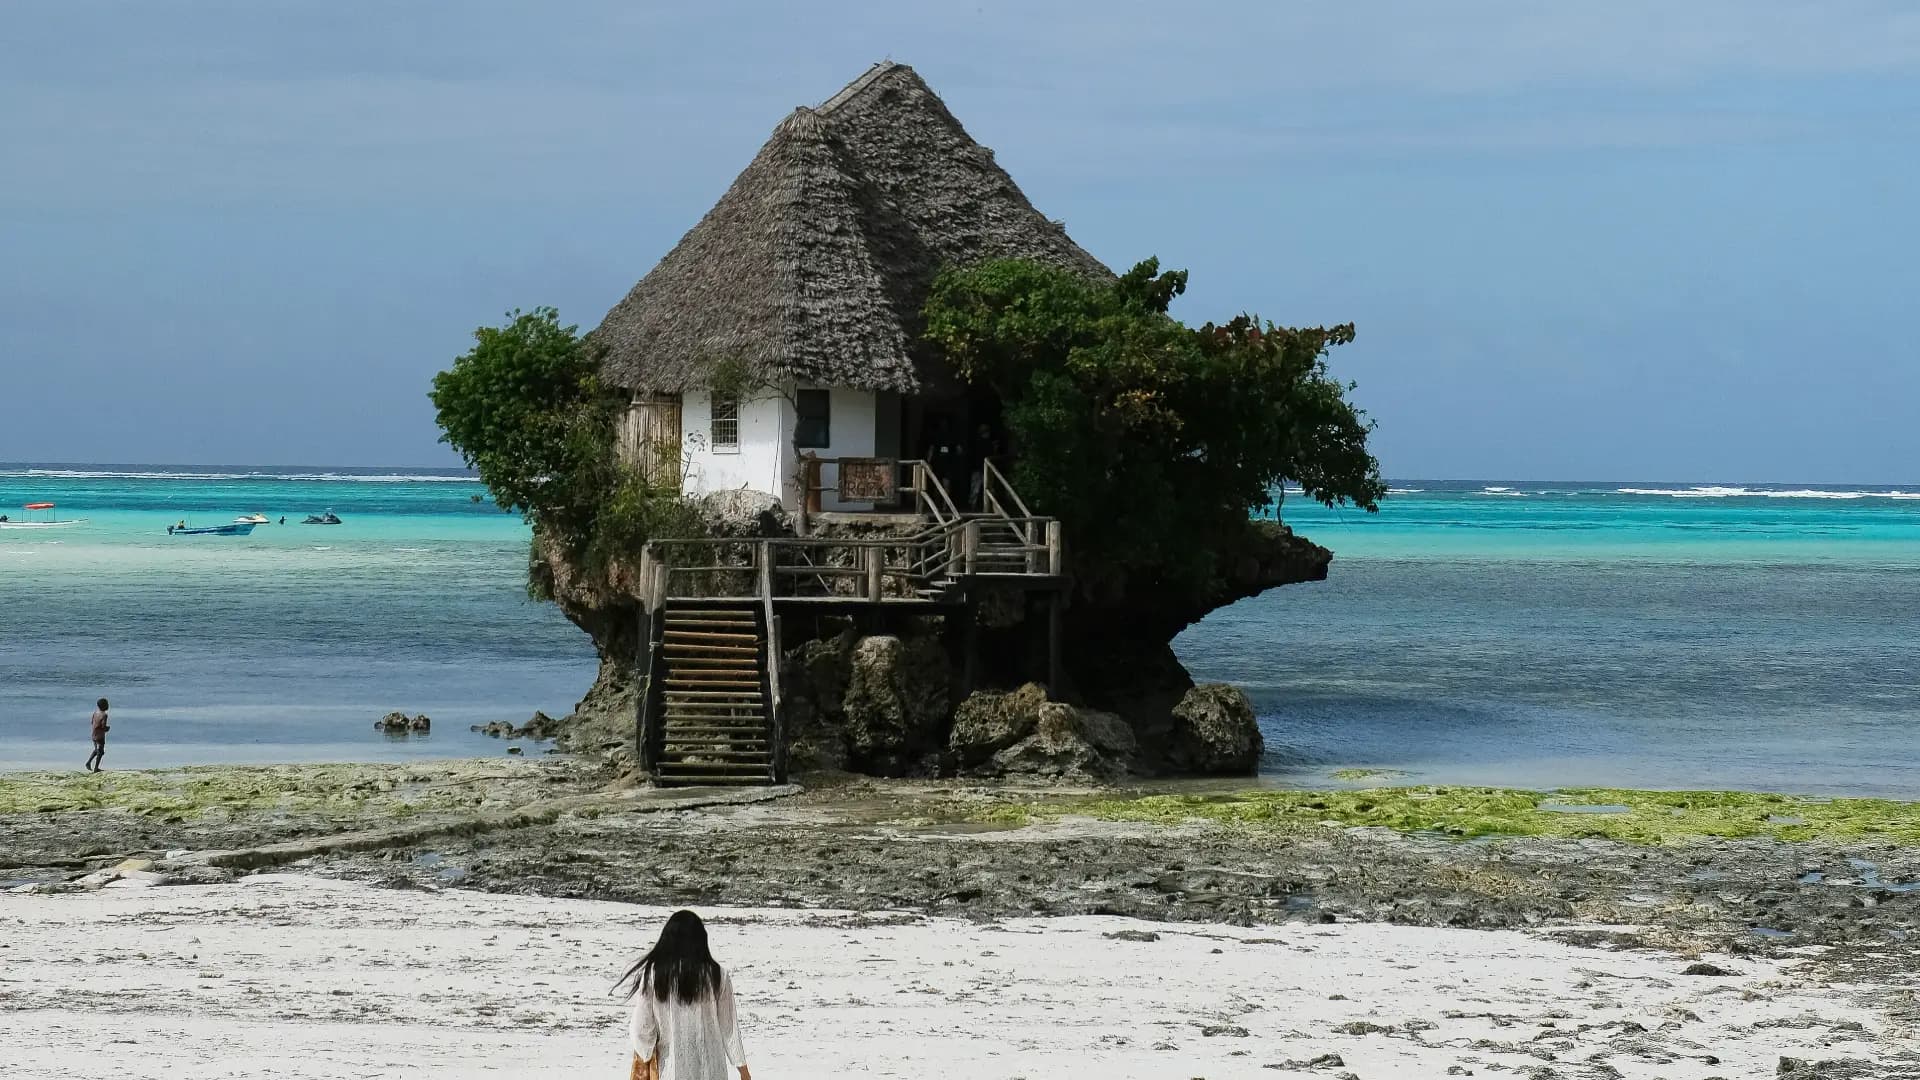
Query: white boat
x,y
253,519
49,522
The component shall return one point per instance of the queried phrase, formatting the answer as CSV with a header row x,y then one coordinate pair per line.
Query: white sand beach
x,y
289,976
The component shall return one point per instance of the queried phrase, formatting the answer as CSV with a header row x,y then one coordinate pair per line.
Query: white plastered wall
x,y
762,462
766,460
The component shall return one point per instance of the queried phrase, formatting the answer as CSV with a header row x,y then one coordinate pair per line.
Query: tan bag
x,y
645,1070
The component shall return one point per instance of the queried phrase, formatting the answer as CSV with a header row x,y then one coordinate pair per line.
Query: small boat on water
x,y
253,519
238,528
49,522
328,518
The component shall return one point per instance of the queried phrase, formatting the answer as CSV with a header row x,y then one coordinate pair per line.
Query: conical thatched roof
x,y
816,262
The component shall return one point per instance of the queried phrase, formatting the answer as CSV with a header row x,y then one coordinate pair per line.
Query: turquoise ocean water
x,y
1663,635
1640,634
284,645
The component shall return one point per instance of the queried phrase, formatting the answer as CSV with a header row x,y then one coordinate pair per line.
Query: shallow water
x,y
1538,635
1556,634
280,646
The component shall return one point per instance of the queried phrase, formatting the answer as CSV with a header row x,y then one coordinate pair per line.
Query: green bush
x,y
1148,438
525,409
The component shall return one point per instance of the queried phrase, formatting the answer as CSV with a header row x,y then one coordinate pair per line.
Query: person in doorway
x,y
943,453
685,1025
99,736
985,448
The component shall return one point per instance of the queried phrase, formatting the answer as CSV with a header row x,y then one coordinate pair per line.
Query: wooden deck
x,y
711,629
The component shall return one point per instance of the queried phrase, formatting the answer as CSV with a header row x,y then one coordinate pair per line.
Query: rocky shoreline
x,y
973,849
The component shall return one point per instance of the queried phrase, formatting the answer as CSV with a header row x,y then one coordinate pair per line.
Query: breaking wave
x,y
1710,491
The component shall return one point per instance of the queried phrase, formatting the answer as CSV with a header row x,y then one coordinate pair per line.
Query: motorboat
x,y
48,522
328,518
237,528
253,519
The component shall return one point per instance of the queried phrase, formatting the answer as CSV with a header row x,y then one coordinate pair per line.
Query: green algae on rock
x,y
1646,817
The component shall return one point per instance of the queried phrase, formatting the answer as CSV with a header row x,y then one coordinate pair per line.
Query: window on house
x,y
812,428
724,428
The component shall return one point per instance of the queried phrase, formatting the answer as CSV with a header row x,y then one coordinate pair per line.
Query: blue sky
x,y
1639,239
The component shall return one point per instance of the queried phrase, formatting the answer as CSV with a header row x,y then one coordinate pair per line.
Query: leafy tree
x,y
1151,440
525,408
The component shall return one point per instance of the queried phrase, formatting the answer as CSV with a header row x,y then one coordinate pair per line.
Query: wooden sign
x,y
869,480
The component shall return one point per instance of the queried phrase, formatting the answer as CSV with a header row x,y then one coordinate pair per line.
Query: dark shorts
x,y
100,739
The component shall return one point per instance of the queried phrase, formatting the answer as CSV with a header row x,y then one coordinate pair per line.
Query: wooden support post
x,y
876,566
970,546
810,472
643,667
1056,553
971,661
1054,688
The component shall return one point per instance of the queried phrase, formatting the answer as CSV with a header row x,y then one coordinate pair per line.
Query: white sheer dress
x,y
697,1041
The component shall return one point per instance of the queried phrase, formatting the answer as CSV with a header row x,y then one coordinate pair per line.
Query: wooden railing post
x,y
1056,553
810,470
776,712
970,546
876,566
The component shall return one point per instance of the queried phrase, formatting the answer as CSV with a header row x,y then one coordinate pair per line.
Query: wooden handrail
x,y
989,473
763,555
770,568
925,486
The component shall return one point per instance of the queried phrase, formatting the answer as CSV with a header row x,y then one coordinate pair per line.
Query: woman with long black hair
x,y
685,1026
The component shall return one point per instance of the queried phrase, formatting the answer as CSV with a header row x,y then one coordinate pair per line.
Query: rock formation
x,y
892,701
1023,733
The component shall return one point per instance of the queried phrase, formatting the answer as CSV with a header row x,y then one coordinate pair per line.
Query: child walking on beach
x,y
684,1023
99,736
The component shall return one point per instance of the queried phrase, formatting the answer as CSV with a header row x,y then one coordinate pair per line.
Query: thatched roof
x,y
816,262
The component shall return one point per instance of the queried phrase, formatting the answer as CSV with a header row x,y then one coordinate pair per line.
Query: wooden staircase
x,y
1004,549
711,710
713,696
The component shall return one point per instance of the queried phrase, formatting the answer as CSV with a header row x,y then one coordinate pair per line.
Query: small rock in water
x,y
540,728
396,723
515,750
1132,935
1232,1030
